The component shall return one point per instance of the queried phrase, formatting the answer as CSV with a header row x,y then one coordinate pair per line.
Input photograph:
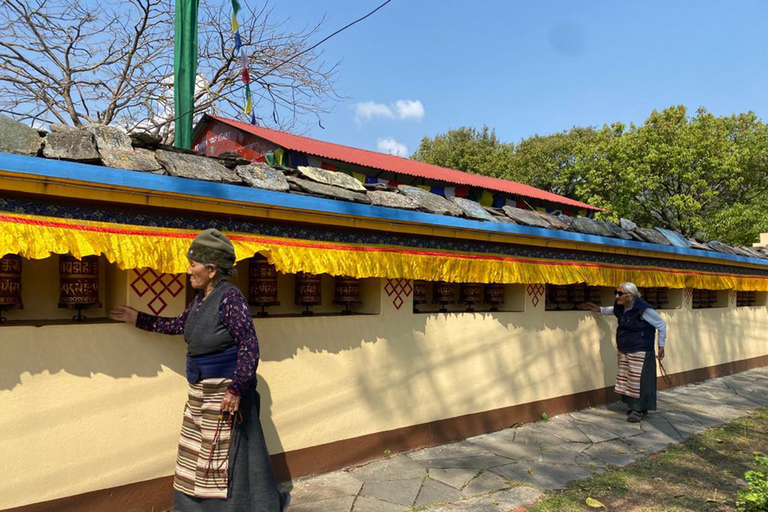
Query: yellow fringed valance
x,y
165,250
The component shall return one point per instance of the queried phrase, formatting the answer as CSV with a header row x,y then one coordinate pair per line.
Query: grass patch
x,y
704,473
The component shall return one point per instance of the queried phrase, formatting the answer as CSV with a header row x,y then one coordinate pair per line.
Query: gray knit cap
x,y
211,247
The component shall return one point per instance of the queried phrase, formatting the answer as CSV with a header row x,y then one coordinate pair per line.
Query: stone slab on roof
x,y
77,145
472,209
590,226
261,175
526,217
430,202
321,189
133,159
337,179
392,200
18,138
184,165
652,236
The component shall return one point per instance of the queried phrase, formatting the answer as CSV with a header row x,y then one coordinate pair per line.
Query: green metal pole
x,y
184,71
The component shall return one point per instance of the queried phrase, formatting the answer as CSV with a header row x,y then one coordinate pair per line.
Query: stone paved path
x,y
504,470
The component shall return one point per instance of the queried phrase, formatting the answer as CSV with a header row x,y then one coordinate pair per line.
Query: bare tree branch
x,y
75,62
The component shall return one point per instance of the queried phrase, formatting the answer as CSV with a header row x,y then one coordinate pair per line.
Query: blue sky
x,y
532,67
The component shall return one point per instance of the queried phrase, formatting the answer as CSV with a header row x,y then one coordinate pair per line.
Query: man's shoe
x,y
634,417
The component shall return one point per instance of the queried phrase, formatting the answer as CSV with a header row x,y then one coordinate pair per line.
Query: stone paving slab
x,y
456,478
502,501
484,483
322,487
399,467
330,505
433,492
364,504
401,492
504,470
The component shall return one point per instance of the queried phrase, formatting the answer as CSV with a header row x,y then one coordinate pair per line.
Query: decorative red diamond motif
x,y
157,285
534,291
399,287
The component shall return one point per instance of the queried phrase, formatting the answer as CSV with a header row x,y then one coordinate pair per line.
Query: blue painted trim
x,y
153,183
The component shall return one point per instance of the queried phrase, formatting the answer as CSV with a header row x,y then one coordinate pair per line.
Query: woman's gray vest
x,y
203,330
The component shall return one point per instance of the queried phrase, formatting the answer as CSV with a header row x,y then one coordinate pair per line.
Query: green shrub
x,y
755,497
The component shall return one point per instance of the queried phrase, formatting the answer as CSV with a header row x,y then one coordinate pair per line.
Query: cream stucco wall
x,y
88,407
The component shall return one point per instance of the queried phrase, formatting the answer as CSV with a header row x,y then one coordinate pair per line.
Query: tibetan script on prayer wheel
x,y
78,282
262,284
494,295
346,292
443,294
10,283
471,294
308,291
419,291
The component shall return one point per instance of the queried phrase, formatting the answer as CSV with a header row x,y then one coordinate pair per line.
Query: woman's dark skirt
x,y
647,400
252,486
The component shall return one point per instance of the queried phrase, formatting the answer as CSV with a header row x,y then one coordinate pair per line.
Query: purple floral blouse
x,y
236,317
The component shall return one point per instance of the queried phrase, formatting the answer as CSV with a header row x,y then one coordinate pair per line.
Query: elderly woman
x,y
635,337
222,462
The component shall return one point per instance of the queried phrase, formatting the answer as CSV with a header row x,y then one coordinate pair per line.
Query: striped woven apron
x,y
628,376
203,460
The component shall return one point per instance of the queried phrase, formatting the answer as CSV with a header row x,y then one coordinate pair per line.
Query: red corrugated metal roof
x,y
398,164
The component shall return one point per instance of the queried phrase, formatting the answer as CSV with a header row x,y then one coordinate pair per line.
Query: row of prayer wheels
x,y
262,288
656,297
703,299
471,294
567,297
78,283
747,298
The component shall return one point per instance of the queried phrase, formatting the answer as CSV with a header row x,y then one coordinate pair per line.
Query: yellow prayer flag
x,y
425,187
280,156
359,176
248,106
486,198
235,26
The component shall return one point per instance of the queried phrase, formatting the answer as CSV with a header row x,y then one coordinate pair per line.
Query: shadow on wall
x,y
115,350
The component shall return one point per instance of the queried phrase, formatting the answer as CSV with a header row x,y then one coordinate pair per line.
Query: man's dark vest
x,y
203,330
634,334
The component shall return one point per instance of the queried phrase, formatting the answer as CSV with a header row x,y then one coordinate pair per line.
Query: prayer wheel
x,y
10,284
662,296
494,295
346,292
78,284
262,284
712,297
471,294
577,293
559,297
419,293
651,297
443,294
308,291
594,295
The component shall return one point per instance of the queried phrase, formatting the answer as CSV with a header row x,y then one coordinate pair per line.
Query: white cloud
x,y
401,109
370,109
391,146
409,109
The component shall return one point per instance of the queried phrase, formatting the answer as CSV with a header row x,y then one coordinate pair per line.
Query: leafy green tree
x,y
467,149
691,174
702,175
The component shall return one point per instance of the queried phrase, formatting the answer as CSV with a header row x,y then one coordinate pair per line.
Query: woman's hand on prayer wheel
x,y
591,306
124,314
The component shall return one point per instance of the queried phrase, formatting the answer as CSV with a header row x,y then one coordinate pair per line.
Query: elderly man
x,y
635,337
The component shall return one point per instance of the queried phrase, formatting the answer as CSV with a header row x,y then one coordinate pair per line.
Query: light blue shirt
x,y
649,315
